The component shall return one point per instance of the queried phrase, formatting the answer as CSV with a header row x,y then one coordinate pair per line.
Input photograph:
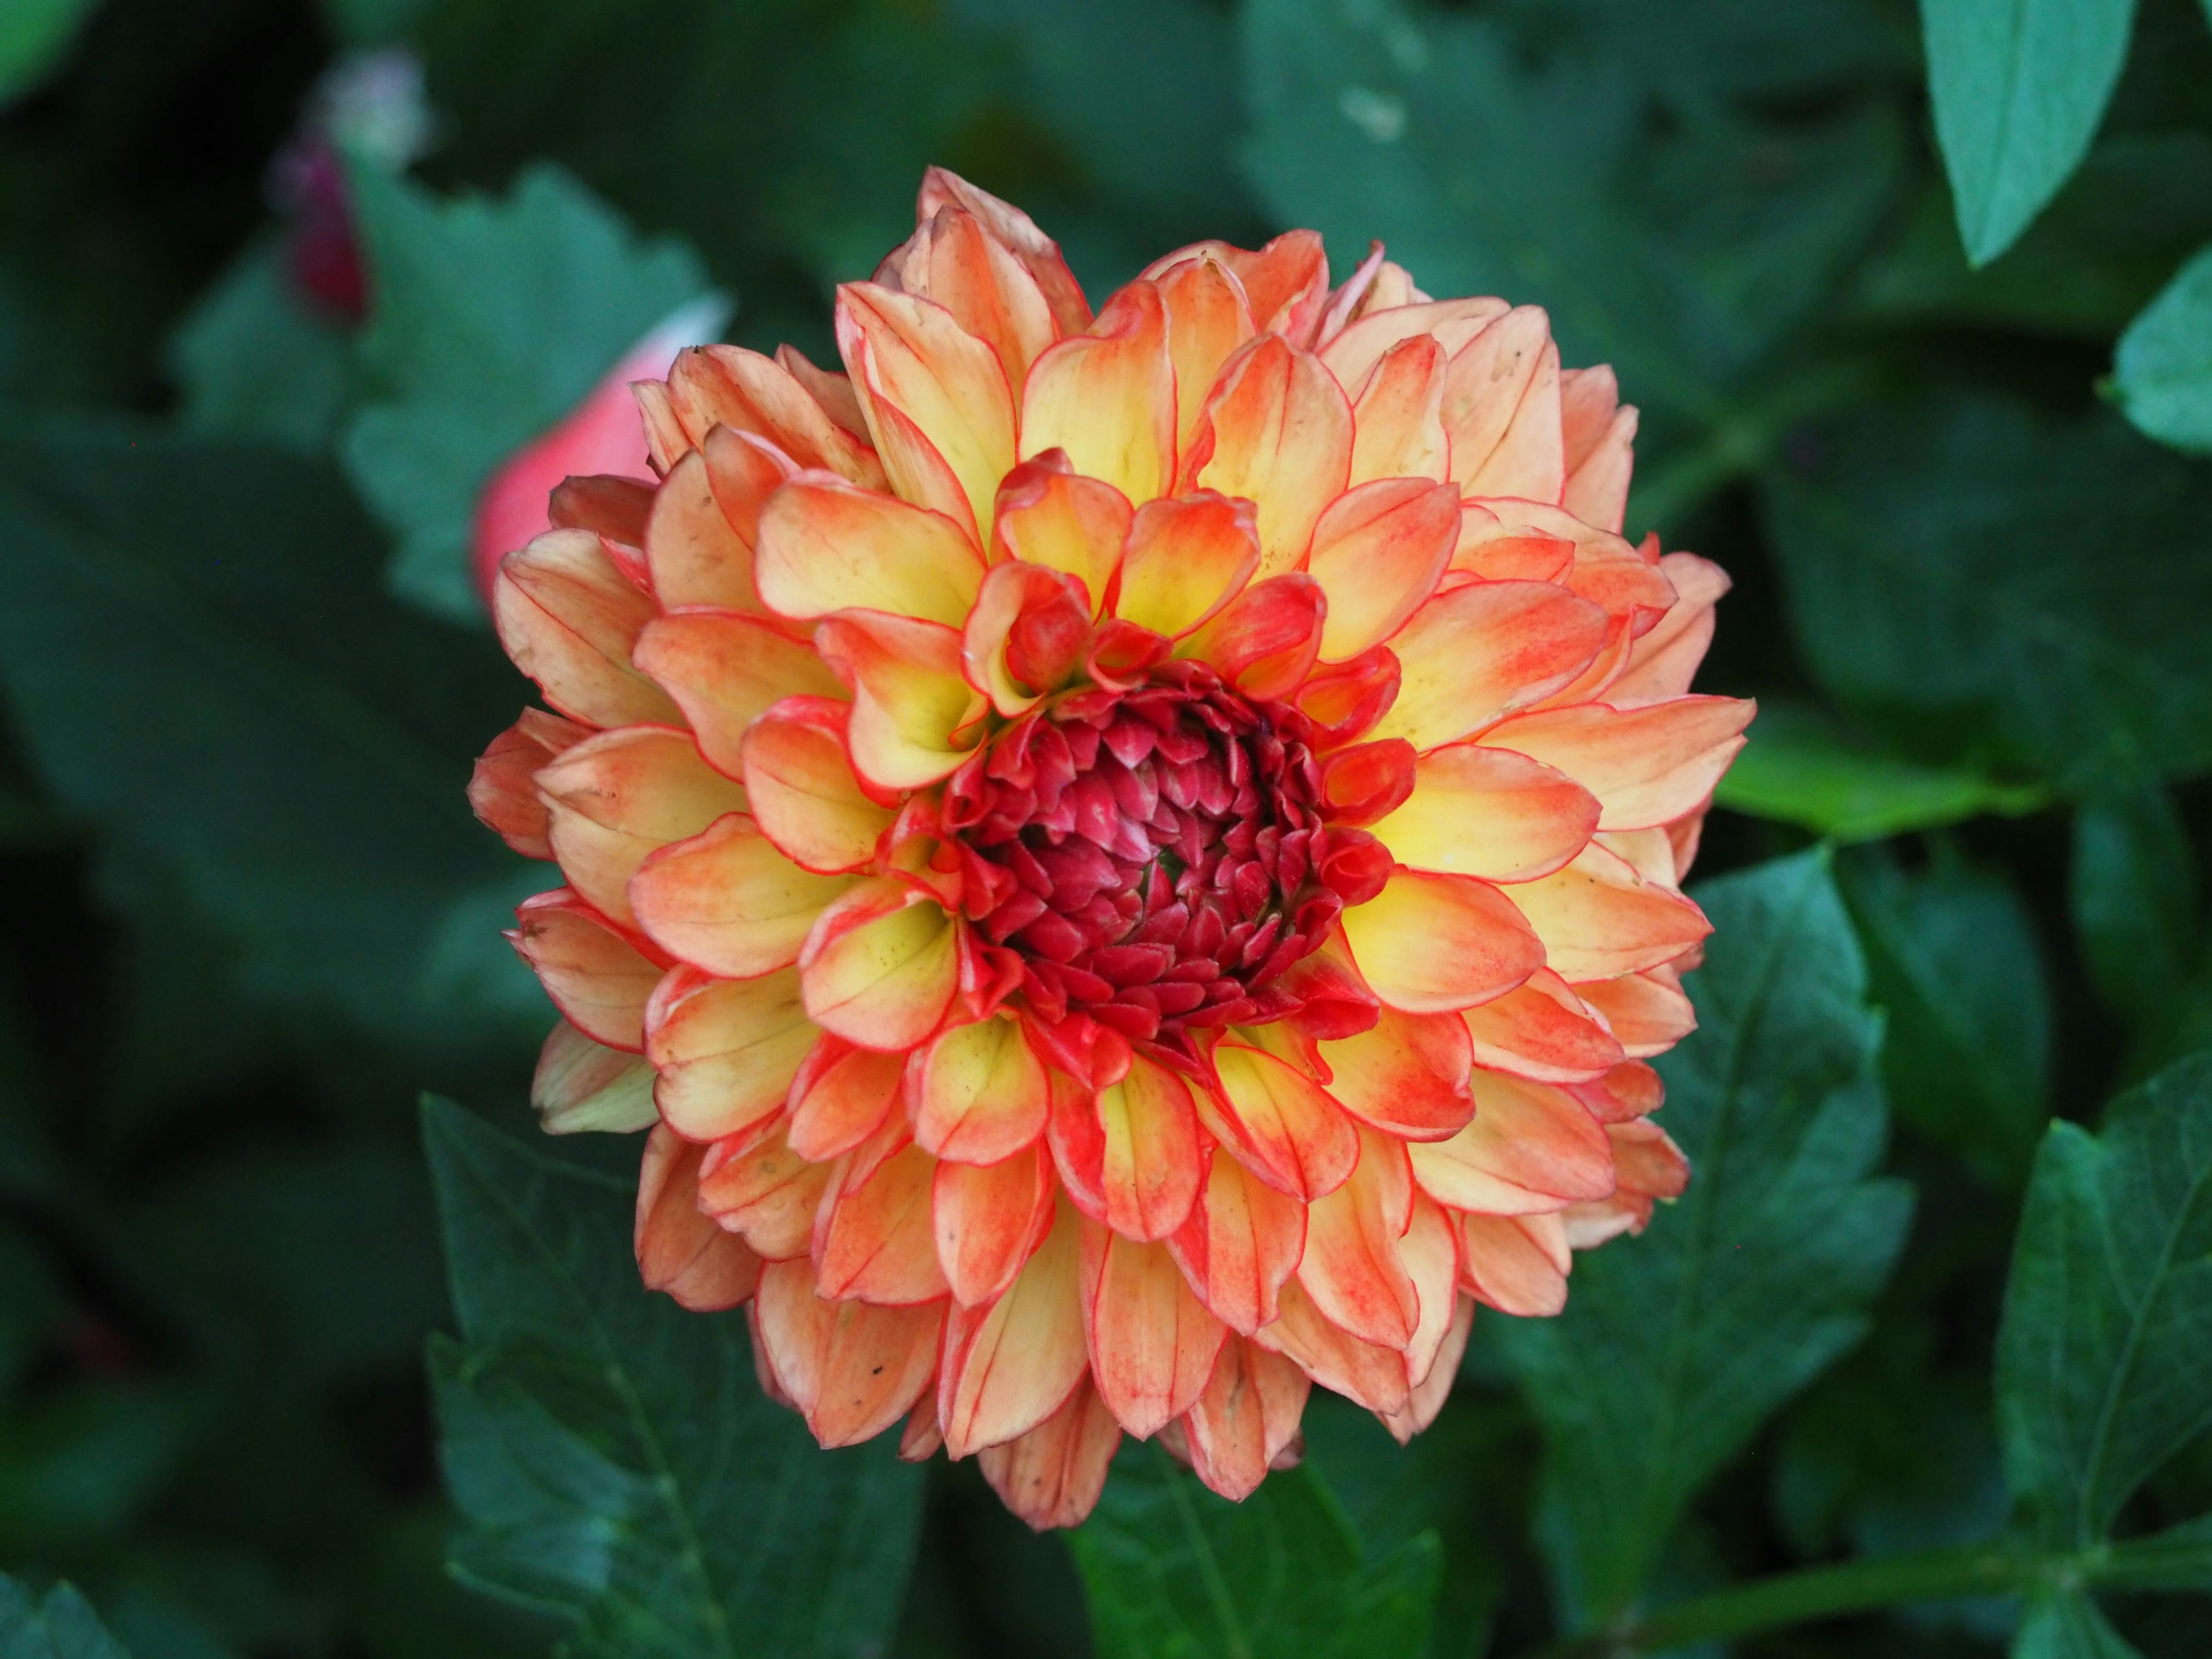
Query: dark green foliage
x,y
60,1625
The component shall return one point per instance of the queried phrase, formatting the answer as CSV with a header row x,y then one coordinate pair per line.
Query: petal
x,y
874,1239
913,710
834,391
1351,1266
825,546
1354,353
679,1249
762,1188
1108,397
596,977
1517,1264
503,788
1240,1243
1599,919
1009,1366
1650,1165
1050,516
1434,944
1661,663
1397,418
952,260
1475,653
1265,640
1378,552
936,398
1496,551
1051,1475
725,670
1501,410
840,1097
853,1368
1334,1357
988,1219
1542,1032
881,967
567,617
1276,430
617,799
806,796
705,522
1287,282
726,1050
1015,230
1531,1148
1028,633
1648,1012
728,901
1208,318
1429,1252
580,1085
1647,765
1247,1417
1406,1074
1480,812
1427,1400
727,386
1129,1155
1186,558
978,1094
1279,1123
1152,1343
1600,434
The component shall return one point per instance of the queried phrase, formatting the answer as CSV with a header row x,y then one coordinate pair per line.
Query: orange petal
x,y
503,788
1480,812
1430,1252
680,1250
1406,1074
913,711
1352,353
617,798
567,617
952,260
1479,652
728,386
1600,434
1427,1399
1501,410
1496,551
873,1236
1279,1123
1208,318
1542,1032
1648,764
762,1188
1153,1344
583,1086
1051,1475
1027,634
1397,418
595,975
1435,944
851,1368
804,795
1351,1266
1531,1148
1517,1264
825,546
1240,1242
840,1097
1265,640
705,520
1009,1366
1378,552
726,1050
1049,515
978,1092
725,670
1276,430
1662,663
1364,1371
1648,1012
728,901
1108,397
988,1219
936,398
832,391
1599,919
1630,1090
1039,253
1650,1165
881,968
1186,558
1246,1419
1129,1155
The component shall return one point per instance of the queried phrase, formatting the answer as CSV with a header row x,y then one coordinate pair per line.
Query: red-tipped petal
x,y
1246,1419
1240,1243
826,545
1531,1148
617,799
851,1368
978,1093
1279,1123
1051,1475
1351,1266
1662,663
1152,1343
1009,1366
728,901
728,386
705,522
1186,558
1276,431
873,1236
1406,1074
1648,1012
1365,1371
1378,552
1501,410
1517,1264
1435,944
679,1249
1107,397
1050,516
840,1096
1598,918
756,1185
988,1219
1129,1155
1398,417
1265,640
913,710
1014,229
881,967
503,788
596,977
1208,318
1648,764
726,1050
805,797
724,671
953,259
1542,1032
1489,813
1474,654
568,617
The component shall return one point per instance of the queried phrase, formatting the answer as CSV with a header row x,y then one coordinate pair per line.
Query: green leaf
x,y
2163,368
2019,87
254,362
2065,1623
613,1454
1952,955
491,318
1934,568
2132,887
35,35
1801,767
1175,1572
60,1625
2108,1315
203,668
1676,1347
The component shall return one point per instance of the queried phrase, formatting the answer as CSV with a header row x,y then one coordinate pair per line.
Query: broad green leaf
x,y
491,318
1174,1572
35,37
1935,565
613,1454
1952,957
60,1625
204,669
1676,1347
1800,767
2163,368
2019,87
2132,888
254,362
2064,1623
2108,1315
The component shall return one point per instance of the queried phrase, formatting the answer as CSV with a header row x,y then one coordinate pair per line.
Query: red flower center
x,y
1156,858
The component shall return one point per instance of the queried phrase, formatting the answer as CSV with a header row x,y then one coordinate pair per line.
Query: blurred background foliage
x,y
245,916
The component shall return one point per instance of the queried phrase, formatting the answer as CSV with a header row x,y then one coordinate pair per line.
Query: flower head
x,y
1131,863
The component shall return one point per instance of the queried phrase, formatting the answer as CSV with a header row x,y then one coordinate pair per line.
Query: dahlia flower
x,y
1130,862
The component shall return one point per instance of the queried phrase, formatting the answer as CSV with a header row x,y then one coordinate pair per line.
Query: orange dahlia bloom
x,y
1130,862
